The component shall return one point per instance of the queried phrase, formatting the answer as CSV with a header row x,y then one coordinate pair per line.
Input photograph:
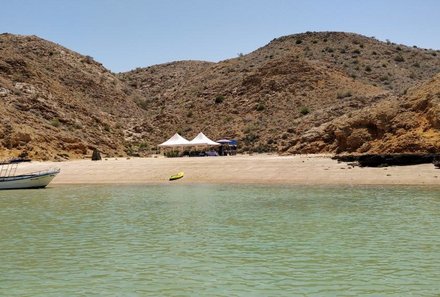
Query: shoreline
x,y
240,169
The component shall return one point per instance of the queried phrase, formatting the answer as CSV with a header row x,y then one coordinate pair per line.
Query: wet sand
x,y
256,169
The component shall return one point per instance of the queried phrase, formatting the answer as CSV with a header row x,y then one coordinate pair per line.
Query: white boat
x,y
32,180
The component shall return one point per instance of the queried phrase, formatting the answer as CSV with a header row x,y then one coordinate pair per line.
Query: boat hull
x,y
176,176
27,181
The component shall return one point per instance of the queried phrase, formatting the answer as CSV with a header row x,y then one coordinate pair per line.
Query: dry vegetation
x,y
281,96
407,124
311,92
57,104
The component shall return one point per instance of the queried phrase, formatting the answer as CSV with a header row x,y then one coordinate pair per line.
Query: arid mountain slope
x,y
57,104
304,93
262,107
405,125
276,96
394,67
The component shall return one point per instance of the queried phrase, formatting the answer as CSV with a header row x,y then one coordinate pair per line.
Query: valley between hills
x,y
315,92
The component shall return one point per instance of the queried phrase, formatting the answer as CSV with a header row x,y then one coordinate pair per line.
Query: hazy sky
x,y
126,34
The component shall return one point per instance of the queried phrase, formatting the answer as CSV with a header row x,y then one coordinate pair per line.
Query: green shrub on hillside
x,y
260,106
219,99
399,58
55,122
384,78
304,110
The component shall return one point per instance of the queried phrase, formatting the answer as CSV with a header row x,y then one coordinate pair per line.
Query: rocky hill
x,y
57,104
304,93
391,66
410,124
275,98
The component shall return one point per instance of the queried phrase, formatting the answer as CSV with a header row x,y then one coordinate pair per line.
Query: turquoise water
x,y
220,241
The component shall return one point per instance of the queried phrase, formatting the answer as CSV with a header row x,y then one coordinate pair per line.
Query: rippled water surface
x,y
220,241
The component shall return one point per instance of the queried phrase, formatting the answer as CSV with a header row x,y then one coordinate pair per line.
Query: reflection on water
x,y
220,241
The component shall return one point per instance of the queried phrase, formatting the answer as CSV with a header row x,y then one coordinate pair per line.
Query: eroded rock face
x,y
305,93
394,125
433,111
56,104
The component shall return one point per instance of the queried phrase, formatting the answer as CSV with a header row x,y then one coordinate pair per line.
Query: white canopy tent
x,y
175,141
201,139
177,145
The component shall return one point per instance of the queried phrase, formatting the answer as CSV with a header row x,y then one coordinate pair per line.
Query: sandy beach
x,y
255,169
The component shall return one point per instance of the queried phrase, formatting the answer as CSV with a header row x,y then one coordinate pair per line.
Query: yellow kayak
x,y
176,176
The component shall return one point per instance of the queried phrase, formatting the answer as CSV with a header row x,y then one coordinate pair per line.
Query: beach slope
x,y
256,169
